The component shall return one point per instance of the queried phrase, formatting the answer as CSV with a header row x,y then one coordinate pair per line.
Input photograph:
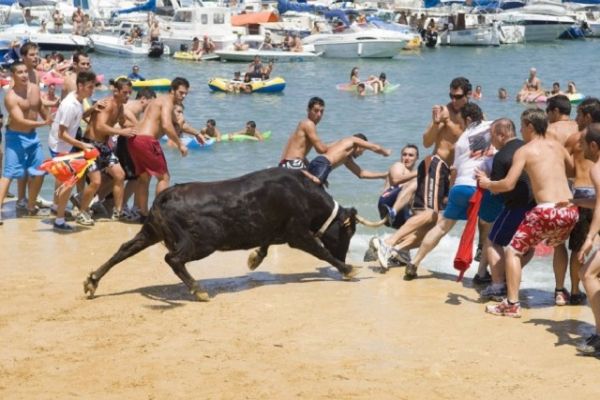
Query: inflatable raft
x,y
274,85
191,142
574,98
347,87
243,138
191,56
159,85
52,78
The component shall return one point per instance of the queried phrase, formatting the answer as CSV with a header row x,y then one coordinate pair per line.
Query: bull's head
x,y
337,237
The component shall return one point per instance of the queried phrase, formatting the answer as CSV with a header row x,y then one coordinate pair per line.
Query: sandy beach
x,y
291,329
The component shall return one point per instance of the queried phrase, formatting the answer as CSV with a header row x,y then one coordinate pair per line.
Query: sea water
x,y
391,120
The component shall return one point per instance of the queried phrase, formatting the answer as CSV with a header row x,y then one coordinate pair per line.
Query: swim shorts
x,y
388,198
147,155
433,184
106,158
582,227
122,153
296,163
491,206
23,154
506,225
320,167
545,222
458,202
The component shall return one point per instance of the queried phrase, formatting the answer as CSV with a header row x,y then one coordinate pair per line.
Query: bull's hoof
x,y
351,273
254,259
89,287
200,296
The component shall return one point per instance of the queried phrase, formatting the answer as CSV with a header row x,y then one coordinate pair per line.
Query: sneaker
x,y
36,213
85,219
399,257
577,299
482,280
492,293
64,227
9,195
410,272
42,203
383,252
561,297
505,309
116,215
591,346
478,253
21,204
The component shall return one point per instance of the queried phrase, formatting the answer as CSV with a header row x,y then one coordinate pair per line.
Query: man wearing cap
x,y
135,74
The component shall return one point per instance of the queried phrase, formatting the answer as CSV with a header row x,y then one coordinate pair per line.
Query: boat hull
x,y
266,55
375,48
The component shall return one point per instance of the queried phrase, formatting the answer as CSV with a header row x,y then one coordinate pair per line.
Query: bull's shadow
x,y
173,295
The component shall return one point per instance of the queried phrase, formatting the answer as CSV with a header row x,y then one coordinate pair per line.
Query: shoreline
x,y
292,328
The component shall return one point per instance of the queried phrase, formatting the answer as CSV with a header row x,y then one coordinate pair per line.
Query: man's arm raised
x,y
362,174
371,146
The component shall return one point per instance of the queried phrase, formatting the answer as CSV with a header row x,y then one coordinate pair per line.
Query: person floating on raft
x,y
69,168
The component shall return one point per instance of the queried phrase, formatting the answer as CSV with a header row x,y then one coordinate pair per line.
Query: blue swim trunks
x,y
23,154
491,206
458,202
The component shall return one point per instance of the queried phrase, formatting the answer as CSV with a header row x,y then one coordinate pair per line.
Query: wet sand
x,y
292,329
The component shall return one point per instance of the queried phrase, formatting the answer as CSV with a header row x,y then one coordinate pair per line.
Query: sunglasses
x,y
456,96
407,154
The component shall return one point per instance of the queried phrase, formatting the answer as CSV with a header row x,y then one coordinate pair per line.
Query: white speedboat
x,y
198,20
363,43
46,41
119,46
266,55
544,21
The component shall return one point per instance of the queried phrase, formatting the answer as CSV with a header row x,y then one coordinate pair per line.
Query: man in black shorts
x,y
516,204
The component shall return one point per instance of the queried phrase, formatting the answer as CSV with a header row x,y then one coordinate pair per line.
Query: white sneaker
x,y
42,203
383,252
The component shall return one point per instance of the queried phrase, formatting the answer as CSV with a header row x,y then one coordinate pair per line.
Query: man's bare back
x,y
582,165
301,141
158,115
562,130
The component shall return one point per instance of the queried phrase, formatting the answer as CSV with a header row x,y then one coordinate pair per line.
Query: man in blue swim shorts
x,y
23,148
344,152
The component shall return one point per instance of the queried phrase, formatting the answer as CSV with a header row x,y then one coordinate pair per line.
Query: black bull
x,y
272,206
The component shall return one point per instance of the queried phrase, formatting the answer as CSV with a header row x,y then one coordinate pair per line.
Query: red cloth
x,y
147,155
464,254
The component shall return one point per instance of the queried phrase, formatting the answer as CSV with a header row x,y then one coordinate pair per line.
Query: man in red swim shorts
x,y
146,153
546,162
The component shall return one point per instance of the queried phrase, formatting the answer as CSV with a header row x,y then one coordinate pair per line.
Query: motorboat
x,y
358,43
120,46
197,20
470,30
45,40
266,55
544,21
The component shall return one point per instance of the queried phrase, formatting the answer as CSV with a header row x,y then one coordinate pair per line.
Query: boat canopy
x,y
150,5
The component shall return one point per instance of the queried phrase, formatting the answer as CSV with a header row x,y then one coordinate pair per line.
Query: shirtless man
x,y
30,53
590,273
147,155
532,88
588,112
81,63
304,138
564,129
182,126
100,128
560,126
433,173
133,110
344,151
250,130
211,130
546,163
23,148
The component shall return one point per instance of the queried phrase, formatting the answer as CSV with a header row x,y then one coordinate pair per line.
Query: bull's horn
x,y
371,224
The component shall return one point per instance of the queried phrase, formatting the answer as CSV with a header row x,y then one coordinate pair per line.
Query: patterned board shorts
x,y
545,222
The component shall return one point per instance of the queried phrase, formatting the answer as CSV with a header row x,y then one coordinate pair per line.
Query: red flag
x,y
464,254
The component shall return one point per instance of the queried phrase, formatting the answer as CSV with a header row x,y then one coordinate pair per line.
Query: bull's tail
x,y
146,237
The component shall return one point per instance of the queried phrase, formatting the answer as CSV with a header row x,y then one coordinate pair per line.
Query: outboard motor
x,y
156,49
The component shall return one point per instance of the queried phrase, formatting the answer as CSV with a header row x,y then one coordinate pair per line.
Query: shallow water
x,y
391,120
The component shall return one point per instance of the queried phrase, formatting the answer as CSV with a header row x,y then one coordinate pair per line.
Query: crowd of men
x,y
538,189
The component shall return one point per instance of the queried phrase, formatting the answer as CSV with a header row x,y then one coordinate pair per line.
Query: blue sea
x,y
391,120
